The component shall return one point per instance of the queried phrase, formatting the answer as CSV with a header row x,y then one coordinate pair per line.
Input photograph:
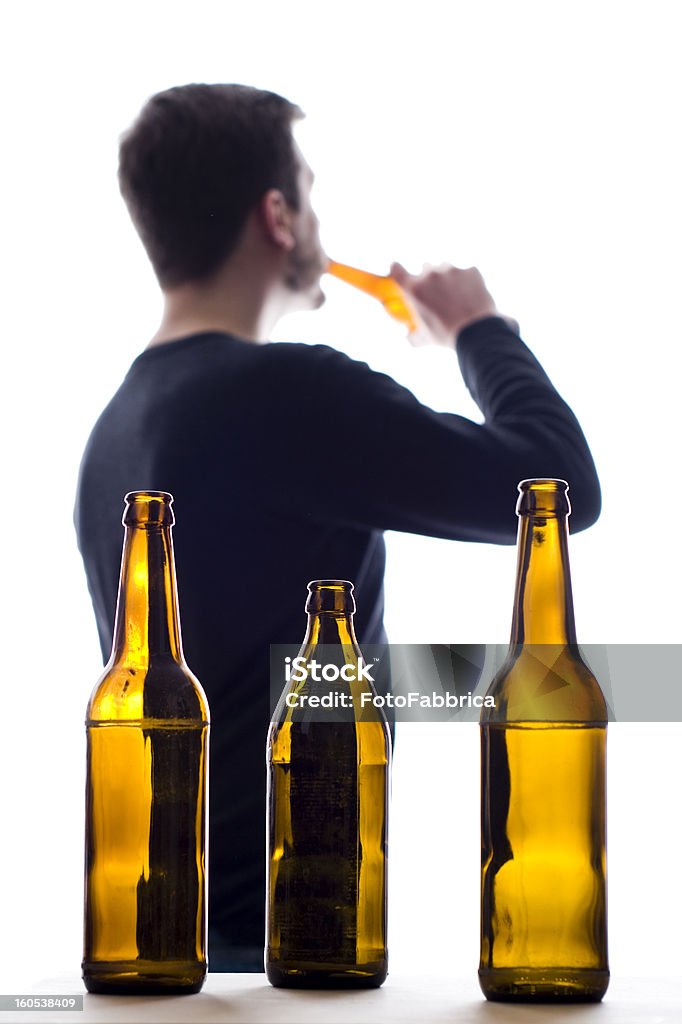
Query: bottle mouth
x,y
543,496
330,596
148,508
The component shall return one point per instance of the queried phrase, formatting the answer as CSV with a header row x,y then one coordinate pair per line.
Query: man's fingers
x,y
399,274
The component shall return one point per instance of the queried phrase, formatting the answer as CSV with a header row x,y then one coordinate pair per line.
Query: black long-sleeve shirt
x,y
286,463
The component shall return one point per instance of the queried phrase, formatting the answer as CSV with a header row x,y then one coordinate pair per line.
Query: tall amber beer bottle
x,y
147,731
543,920
328,783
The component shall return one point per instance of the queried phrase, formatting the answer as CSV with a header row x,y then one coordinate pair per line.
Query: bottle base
x,y
143,977
543,984
302,974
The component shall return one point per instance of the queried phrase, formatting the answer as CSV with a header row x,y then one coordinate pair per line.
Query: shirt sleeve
x,y
353,447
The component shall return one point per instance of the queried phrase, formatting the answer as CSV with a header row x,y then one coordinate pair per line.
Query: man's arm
x,y
358,449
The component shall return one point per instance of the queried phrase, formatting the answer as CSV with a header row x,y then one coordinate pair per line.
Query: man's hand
x,y
447,300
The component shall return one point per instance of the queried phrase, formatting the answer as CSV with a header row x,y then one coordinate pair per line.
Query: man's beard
x,y
304,271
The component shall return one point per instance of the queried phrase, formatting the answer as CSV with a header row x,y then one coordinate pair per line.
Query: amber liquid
x,y
145,875
328,810
383,288
544,861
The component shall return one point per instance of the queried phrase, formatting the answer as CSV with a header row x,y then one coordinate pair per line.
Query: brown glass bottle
x,y
543,916
381,287
328,784
147,730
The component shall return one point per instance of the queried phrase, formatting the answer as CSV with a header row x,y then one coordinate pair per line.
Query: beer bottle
x,y
384,288
147,731
543,916
328,782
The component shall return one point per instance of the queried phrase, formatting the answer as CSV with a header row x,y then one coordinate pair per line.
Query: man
x,y
286,461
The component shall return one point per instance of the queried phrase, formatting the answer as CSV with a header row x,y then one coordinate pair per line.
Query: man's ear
x,y
277,219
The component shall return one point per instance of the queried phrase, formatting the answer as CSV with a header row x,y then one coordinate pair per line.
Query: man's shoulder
x,y
298,353
313,362
221,377
211,354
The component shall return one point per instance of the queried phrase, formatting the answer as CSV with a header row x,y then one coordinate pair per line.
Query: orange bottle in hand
x,y
383,288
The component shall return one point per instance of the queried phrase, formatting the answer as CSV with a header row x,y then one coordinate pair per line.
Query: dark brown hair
x,y
195,163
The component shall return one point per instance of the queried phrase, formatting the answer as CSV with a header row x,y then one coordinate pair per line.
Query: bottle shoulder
x,y
329,683
368,743
162,690
545,683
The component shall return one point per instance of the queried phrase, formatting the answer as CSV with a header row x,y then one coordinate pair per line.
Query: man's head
x,y
198,161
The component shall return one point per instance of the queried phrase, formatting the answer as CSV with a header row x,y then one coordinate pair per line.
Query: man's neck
x,y
234,301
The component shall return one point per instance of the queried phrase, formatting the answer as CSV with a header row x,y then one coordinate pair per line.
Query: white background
x,y
537,140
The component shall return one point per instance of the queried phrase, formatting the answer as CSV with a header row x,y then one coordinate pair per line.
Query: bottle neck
x,y
330,628
147,621
543,606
